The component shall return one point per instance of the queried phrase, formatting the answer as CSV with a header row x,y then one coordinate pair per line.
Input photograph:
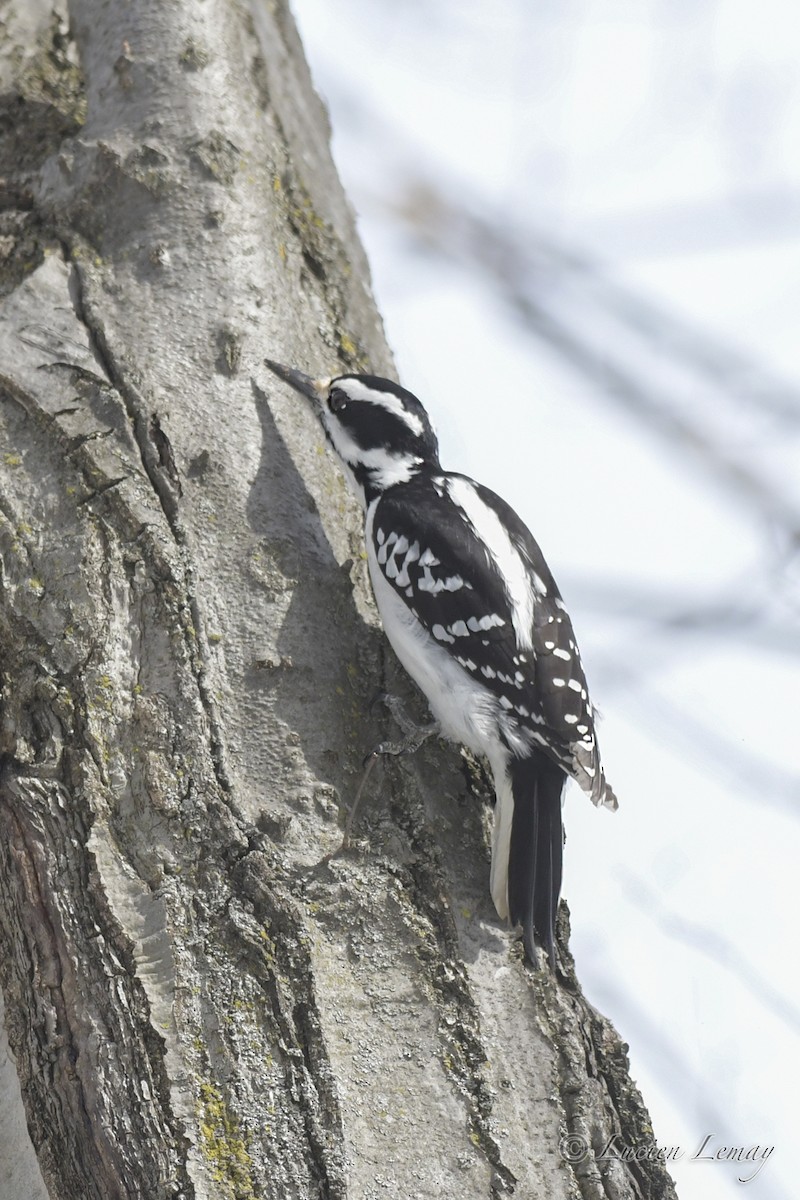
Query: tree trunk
x,y
198,1002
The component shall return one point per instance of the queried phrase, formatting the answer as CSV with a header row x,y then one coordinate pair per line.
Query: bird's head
x,y
380,431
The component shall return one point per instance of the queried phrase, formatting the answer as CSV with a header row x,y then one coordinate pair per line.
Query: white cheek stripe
x,y
386,469
512,569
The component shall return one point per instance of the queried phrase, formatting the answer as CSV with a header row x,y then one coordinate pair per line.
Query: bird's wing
x,y
473,575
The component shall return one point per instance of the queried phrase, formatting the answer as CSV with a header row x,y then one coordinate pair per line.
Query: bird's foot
x,y
413,737
413,734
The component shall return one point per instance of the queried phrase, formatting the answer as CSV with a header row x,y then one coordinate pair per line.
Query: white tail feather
x,y
501,843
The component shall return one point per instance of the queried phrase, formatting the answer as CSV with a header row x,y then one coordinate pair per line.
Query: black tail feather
x,y
535,855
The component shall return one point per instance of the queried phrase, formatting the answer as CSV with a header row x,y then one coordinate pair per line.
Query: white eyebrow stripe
x,y
356,390
507,559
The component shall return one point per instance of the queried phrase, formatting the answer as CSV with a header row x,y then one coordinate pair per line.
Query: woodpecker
x,y
473,613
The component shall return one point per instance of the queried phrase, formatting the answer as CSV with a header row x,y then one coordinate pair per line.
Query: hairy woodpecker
x,y
475,617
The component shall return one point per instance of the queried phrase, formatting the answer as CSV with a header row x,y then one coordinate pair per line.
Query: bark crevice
x,y
158,463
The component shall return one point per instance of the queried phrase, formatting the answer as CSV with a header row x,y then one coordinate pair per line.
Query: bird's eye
x,y
337,399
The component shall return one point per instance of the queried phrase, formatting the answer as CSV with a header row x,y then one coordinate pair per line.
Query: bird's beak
x,y
313,389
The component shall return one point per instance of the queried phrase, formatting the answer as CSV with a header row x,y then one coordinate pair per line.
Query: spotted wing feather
x,y
441,567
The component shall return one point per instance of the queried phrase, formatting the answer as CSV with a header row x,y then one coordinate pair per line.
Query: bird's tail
x,y
527,849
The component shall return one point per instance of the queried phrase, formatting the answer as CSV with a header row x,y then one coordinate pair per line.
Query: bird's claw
x,y
414,736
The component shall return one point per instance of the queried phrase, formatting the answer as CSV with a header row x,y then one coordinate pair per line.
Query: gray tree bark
x,y
197,1002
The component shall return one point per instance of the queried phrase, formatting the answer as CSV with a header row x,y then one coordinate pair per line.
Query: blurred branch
x,y
710,942
751,777
743,217
655,610
709,402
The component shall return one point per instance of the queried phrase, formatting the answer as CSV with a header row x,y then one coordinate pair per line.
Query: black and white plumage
x,y
474,615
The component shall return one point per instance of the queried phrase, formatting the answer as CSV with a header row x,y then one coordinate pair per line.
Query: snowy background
x,y
583,219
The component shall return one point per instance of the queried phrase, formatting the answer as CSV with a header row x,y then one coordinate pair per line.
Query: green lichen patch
x,y
218,156
150,167
194,55
43,105
229,342
53,75
324,260
351,354
223,1146
23,245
